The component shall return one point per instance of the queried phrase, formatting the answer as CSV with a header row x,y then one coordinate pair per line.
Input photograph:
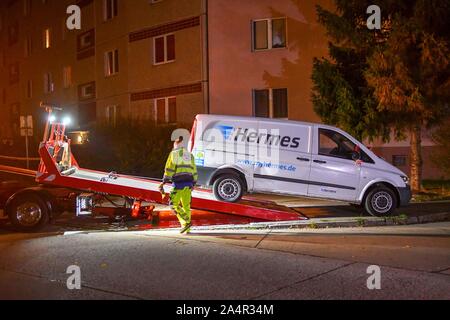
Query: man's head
x,y
178,143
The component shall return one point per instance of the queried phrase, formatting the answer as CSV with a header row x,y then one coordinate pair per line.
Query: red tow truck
x,y
64,186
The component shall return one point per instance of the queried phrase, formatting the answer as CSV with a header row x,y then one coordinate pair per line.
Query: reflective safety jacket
x,y
181,169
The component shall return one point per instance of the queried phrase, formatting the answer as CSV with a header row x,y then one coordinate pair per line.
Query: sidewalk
x,y
429,229
419,247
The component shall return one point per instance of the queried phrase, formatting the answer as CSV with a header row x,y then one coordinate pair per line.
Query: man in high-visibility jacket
x,y
182,172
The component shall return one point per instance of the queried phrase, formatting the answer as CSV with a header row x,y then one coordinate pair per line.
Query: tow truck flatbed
x,y
39,202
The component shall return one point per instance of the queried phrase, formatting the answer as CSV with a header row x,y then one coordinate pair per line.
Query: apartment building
x,y
260,57
164,60
142,59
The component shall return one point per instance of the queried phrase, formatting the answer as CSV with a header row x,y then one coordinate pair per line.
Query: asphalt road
x,y
253,265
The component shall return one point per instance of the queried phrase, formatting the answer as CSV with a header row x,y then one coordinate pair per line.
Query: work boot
x,y
186,229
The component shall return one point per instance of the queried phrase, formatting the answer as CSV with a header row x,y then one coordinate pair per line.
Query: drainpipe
x,y
205,59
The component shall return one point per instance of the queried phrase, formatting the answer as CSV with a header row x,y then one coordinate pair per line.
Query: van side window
x,y
334,144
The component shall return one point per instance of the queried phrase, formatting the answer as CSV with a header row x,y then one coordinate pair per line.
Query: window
x,y
13,34
14,73
269,34
14,113
29,89
49,87
67,77
86,40
112,114
64,29
334,144
47,38
26,7
279,103
262,103
166,110
164,49
87,91
399,160
87,113
270,103
109,9
28,47
111,63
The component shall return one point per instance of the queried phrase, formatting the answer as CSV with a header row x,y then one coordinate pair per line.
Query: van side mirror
x,y
356,156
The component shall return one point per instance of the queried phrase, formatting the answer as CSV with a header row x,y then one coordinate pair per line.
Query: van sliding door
x,y
284,158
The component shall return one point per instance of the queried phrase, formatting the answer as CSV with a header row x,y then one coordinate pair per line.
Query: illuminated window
x,y
67,77
270,103
166,110
47,38
164,49
269,34
111,62
109,9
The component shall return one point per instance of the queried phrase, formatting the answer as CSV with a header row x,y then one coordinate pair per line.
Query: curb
x,y
354,222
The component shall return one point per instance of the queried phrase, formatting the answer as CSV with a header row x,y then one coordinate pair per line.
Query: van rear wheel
x,y
380,201
228,188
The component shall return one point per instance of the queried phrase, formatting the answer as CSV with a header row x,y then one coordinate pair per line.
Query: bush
x,y
128,148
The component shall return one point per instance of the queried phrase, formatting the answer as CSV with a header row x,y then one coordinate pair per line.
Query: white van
x,y
236,155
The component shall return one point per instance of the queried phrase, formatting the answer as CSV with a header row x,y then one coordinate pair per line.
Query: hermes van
x,y
237,155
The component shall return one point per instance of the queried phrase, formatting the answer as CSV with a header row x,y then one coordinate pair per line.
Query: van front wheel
x,y
380,201
228,188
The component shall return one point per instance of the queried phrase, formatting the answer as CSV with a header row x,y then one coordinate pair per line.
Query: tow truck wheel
x,y
28,213
228,188
380,201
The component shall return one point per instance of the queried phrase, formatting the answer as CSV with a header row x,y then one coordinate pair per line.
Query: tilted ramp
x,y
145,189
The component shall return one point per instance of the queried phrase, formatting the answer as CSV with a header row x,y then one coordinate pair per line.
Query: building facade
x,y
139,59
163,60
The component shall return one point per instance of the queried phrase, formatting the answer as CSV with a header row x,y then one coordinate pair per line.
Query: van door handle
x,y
303,159
320,161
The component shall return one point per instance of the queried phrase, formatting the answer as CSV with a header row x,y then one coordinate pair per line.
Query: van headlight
x,y
405,179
